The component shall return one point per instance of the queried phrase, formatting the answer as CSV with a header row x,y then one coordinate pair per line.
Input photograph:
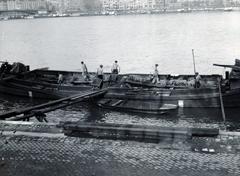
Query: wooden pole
x,y
221,101
194,66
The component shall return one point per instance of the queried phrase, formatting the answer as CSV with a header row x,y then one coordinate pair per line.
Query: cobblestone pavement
x,y
34,154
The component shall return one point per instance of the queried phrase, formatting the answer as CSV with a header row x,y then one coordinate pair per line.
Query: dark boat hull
x,y
39,91
43,84
154,100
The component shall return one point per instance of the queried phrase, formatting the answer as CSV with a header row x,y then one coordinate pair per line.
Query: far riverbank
x,y
19,15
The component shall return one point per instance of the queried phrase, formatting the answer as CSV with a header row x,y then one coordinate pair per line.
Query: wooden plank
x,y
204,132
117,103
134,132
72,99
228,66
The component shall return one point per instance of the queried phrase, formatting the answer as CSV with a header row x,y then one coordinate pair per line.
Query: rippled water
x,y
138,42
189,117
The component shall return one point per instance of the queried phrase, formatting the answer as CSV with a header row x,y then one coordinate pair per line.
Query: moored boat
x,y
228,9
42,83
138,92
128,92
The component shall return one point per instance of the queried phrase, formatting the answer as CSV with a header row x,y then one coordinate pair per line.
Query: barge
x,y
129,92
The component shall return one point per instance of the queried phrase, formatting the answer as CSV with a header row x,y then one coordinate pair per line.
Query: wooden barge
x,y
154,98
138,93
130,92
41,83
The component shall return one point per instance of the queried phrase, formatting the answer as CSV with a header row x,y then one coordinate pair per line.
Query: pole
x,y
221,101
194,66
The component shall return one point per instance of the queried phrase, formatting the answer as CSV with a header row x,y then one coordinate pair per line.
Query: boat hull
x,y
43,84
39,91
154,100
132,95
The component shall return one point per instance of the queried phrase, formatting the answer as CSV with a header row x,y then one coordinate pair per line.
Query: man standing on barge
x,y
115,68
155,75
197,80
84,71
100,75
100,72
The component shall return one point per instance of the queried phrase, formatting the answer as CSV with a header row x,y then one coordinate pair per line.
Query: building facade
x,y
23,4
113,5
3,4
137,4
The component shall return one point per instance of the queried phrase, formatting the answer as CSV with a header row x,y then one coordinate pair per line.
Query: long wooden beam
x,y
50,106
134,132
228,66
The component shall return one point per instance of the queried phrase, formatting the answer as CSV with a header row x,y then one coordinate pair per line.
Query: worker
x,y
115,68
60,78
197,80
155,75
84,71
100,72
100,75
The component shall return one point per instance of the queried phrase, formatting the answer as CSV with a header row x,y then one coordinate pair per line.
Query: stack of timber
x,y
134,132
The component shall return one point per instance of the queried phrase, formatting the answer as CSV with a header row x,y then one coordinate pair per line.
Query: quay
x,y
28,148
84,148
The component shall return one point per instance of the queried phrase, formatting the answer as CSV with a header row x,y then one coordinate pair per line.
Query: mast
x,y
194,66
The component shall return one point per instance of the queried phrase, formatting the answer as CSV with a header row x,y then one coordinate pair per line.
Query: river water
x,y
137,42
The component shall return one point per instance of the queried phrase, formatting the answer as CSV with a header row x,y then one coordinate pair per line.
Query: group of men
x,y
100,73
156,77
116,69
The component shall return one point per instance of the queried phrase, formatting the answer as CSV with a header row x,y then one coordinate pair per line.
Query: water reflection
x,y
87,112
